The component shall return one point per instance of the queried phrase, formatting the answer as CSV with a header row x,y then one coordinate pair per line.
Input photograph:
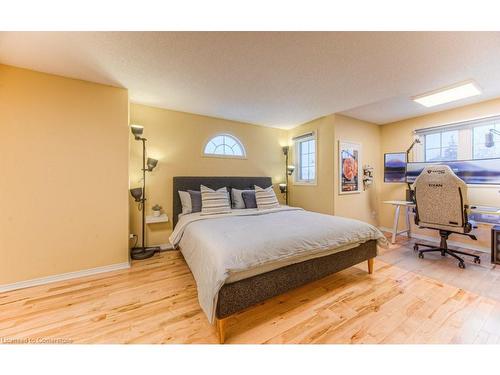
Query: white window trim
x,y
465,136
297,164
243,157
463,126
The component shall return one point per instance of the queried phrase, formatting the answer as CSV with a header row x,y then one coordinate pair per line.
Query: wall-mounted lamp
x,y
490,138
283,188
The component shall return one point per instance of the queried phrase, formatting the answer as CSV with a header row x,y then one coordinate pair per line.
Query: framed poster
x,y
350,178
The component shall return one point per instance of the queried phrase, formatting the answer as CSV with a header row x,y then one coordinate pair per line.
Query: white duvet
x,y
218,248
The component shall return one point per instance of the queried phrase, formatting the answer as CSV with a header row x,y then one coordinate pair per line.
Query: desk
x,y
485,214
408,206
480,214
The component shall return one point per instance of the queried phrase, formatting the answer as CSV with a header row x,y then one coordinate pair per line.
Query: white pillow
x,y
214,202
238,198
187,207
266,198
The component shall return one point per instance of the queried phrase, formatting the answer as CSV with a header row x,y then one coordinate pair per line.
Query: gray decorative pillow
x,y
237,198
185,201
214,202
249,199
195,200
266,198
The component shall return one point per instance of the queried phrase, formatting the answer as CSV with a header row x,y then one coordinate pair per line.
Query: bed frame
x,y
242,294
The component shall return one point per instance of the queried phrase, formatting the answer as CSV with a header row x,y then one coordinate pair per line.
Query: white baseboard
x,y
166,246
436,240
63,276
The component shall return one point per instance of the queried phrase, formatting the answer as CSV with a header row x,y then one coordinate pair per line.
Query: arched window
x,y
224,145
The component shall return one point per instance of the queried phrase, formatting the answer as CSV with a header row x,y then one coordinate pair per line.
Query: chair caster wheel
x,y
477,260
415,247
421,255
461,265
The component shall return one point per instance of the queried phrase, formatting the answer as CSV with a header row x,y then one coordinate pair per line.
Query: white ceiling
x,y
275,79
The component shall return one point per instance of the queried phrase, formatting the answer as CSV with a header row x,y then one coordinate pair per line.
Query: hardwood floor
x,y
156,302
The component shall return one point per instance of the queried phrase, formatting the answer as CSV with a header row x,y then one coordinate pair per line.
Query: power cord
x,y
136,240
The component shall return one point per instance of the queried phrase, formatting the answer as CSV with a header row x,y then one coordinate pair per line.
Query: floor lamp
x,y
139,194
288,172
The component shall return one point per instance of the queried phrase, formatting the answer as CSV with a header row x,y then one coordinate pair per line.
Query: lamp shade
x,y
285,150
136,193
151,163
283,188
290,169
137,130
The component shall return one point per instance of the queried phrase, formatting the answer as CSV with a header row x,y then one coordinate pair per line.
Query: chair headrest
x,y
442,174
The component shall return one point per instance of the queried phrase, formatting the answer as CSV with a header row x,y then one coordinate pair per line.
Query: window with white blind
x,y
305,159
467,140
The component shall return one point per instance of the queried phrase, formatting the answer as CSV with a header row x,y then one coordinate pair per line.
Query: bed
x,y
243,258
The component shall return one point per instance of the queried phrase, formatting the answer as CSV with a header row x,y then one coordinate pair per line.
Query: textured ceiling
x,y
275,79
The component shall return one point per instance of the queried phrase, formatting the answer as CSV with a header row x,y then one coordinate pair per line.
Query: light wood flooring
x,y
406,300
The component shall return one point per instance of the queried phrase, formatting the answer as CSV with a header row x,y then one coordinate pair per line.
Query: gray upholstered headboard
x,y
194,182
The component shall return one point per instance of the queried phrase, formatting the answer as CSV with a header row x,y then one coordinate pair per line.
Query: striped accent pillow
x,y
214,202
266,198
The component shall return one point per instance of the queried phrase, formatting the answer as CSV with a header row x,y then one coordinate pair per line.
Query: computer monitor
x,y
473,172
395,167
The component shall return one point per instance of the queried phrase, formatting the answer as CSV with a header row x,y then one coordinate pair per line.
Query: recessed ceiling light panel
x,y
448,94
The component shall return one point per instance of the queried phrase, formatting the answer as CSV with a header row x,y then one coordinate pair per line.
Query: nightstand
x,y
150,219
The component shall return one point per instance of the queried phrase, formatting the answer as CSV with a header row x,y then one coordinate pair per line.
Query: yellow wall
x,y
324,195
365,205
177,139
397,137
63,175
318,197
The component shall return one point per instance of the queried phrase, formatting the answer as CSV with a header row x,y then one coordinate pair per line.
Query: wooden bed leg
x,y
370,265
220,324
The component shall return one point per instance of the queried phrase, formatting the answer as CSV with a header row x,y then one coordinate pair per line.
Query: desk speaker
x,y
495,244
